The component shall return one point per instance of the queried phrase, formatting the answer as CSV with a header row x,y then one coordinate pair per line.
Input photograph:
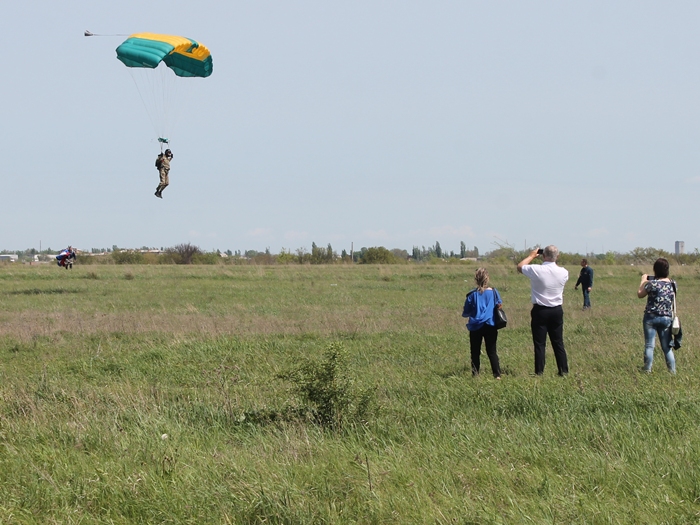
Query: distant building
x,y
11,257
680,247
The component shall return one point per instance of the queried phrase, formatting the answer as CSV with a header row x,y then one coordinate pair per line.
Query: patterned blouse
x,y
659,298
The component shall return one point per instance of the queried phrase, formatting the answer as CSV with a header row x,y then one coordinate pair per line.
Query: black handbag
x,y
500,319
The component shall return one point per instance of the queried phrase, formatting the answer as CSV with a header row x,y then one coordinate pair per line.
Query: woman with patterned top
x,y
658,314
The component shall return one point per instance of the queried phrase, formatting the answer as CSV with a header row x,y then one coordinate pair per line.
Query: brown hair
x,y
482,279
661,268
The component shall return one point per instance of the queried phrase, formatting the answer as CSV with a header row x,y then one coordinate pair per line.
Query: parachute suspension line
x,y
158,89
88,33
151,117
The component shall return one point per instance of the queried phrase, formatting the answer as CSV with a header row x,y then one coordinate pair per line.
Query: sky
x,y
365,123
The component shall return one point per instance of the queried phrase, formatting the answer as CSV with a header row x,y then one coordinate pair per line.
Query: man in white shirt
x,y
547,282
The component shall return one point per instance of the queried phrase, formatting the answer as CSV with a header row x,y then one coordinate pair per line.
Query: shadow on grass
x,y
49,291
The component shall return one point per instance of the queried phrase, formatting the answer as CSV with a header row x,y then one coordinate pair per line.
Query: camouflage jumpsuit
x,y
163,163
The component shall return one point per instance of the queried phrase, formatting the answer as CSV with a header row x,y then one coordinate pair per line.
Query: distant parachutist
x,y
66,258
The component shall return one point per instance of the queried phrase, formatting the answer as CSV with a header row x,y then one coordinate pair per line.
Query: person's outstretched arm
x,y
527,260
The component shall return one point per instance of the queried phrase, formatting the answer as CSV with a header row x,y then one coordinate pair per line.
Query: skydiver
x,y
64,258
163,165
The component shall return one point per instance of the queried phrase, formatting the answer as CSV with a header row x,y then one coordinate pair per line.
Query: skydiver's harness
x,y
159,159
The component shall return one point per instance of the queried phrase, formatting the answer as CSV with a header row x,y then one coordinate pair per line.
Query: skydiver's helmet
x,y
168,153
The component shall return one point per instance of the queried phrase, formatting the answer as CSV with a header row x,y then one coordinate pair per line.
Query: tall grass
x,y
125,400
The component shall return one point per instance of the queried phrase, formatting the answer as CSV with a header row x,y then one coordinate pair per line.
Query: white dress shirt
x,y
547,282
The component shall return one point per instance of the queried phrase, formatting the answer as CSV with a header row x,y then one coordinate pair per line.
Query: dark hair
x,y
584,261
661,268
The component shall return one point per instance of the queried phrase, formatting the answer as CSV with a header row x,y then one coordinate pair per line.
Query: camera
x,y
540,251
651,277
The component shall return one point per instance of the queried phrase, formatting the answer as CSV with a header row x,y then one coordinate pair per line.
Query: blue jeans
x,y
658,325
586,298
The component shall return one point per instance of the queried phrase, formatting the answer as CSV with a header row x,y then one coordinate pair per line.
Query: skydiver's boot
x,y
157,193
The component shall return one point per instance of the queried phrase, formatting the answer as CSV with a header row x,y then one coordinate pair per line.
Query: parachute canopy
x,y
186,57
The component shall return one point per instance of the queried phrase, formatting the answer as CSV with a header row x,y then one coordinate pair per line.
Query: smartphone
x,y
651,277
540,251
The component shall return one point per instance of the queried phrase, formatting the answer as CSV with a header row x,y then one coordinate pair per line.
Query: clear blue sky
x,y
392,123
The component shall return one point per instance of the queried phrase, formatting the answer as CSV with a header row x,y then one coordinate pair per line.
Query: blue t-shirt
x,y
478,307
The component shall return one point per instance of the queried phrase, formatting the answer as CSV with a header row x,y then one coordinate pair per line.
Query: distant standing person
x,y
547,316
163,165
479,307
658,313
585,279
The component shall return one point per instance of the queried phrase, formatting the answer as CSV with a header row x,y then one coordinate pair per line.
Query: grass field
x,y
129,394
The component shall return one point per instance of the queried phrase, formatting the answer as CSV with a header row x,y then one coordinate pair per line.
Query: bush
x,y
127,257
377,255
286,257
183,253
327,391
206,258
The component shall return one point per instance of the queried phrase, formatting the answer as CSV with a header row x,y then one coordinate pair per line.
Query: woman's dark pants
x,y
490,335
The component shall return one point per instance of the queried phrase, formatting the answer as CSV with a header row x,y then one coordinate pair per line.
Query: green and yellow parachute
x,y
186,57
152,59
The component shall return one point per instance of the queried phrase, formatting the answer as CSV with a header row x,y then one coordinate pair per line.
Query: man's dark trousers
x,y
548,320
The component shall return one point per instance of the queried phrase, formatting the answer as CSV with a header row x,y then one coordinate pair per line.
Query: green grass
x,y
98,363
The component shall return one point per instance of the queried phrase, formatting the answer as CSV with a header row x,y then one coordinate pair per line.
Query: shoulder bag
x,y
500,320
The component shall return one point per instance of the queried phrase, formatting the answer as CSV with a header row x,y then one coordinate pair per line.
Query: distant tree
x,y
377,255
462,250
438,250
645,255
400,254
286,257
303,256
318,255
127,257
183,253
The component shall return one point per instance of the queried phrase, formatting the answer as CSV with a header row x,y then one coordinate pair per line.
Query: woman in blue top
x,y
479,307
658,314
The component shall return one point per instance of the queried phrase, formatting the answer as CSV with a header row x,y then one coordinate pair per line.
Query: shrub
x,y
327,391
377,255
206,258
183,253
127,257
286,257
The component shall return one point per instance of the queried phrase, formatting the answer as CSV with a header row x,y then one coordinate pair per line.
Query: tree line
x,y
187,253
